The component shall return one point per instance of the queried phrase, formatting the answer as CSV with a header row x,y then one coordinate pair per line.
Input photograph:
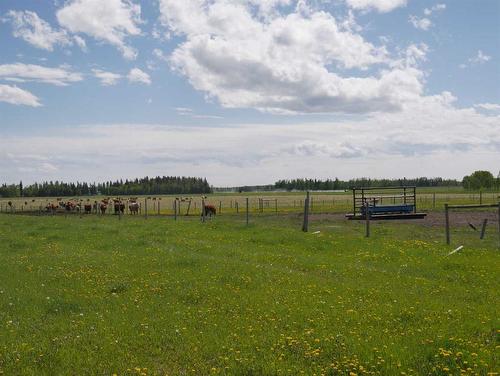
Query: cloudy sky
x,y
248,91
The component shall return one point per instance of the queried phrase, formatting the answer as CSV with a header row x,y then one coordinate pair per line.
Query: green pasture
x,y
102,296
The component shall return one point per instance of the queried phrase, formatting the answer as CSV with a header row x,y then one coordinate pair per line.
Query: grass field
x,y
101,296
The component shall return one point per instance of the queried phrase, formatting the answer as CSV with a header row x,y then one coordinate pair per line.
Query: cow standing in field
x,y
133,207
103,206
51,207
119,206
87,208
209,211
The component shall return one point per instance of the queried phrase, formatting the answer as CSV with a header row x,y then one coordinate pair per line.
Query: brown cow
x,y
87,208
119,206
51,207
103,206
209,210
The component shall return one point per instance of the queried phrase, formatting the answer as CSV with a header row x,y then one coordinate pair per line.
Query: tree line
x,y
336,184
143,186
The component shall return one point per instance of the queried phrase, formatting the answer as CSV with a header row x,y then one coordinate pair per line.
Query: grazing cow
x,y
209,210
87,208
119,206
51,207
133,207
69,206
103,206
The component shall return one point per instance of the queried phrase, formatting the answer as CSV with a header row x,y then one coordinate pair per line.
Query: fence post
x,y
305,225
158,206
434,200
276,205
203,210
220,207
483,228
146,207
447,223
498,225
248,213
367,217
175,209
480,197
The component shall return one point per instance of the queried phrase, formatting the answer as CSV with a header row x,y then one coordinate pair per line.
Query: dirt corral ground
x,y
433,219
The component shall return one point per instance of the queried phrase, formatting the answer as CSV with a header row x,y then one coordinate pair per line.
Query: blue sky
x,y
248,91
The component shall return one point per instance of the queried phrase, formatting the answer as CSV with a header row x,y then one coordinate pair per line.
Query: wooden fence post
x,y
247,214
220,207
203,210
480,197
447,223
175,210
498,225
146,207
434,200
305,225
367,217
483,228
276,205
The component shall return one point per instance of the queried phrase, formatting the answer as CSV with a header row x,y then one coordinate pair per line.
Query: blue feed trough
x,y
387,209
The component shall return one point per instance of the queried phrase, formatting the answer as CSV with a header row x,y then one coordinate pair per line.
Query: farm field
x,y
259,202
95,295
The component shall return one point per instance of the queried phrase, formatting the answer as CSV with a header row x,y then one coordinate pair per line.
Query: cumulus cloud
x,y
424,23
139,76
434,8
420,23
288,63
107,78
480,58
15,95
488,106
110,21
382,6
34,30
20,72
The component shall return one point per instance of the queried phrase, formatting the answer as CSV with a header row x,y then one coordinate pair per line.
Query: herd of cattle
x,y
116,205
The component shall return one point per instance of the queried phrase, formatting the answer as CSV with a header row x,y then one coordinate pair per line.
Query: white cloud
x,y
107,78
488,106
382,6
381,145
110,21
20,72
139,76
480,58
424,23
293,62
435,8
15,95
80,42
420,23
34,30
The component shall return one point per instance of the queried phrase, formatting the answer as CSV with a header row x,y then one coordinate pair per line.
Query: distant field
x,y
95,295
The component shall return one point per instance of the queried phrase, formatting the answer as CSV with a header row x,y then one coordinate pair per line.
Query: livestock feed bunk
x,y
385,203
